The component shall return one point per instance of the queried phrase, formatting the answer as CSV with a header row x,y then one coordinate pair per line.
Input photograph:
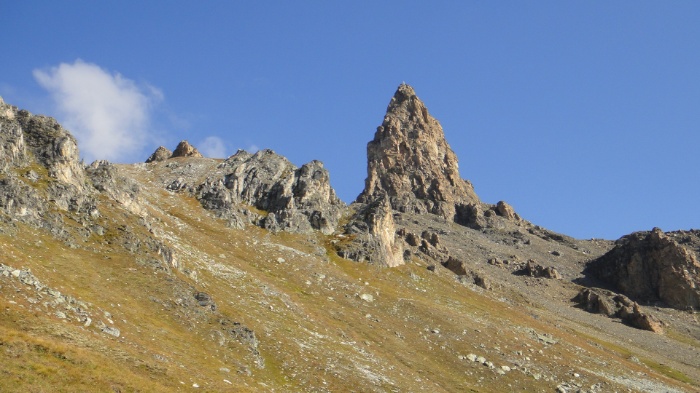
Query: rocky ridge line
x,y
287,198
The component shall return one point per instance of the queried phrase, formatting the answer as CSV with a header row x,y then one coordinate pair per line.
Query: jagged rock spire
x,y
410,161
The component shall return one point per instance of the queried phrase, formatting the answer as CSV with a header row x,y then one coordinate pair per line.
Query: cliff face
x,y
410,162
295,199
653,266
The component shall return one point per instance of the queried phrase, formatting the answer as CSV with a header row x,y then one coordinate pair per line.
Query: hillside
x,y
189,273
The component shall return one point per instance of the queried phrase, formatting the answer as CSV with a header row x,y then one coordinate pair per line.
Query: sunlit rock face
x,y
410,161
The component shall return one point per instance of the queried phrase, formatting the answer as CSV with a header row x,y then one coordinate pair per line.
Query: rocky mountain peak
x,y
184,149
410,161
160,154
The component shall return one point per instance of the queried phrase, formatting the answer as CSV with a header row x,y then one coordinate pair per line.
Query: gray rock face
x,y
410,161
27,138
652,266
294,199
104,178
373,239
184,149
41,166
161,154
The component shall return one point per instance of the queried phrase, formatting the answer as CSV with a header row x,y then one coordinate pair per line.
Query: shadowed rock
x,y
651,266
600,301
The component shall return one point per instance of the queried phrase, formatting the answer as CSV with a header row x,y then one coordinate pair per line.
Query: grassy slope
x,y
315,332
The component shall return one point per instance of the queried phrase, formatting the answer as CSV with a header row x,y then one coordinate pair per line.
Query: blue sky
x,y
583,115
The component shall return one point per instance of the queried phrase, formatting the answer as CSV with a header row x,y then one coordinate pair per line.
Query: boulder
x,y
532,269
506,211
613,305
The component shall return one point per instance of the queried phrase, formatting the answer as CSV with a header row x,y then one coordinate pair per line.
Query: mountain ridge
x,y
189,272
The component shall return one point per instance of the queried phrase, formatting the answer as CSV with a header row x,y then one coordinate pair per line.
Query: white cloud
x,y
253,148
213,147
107,113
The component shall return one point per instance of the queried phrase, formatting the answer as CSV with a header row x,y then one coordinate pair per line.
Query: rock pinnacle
x,y
410,161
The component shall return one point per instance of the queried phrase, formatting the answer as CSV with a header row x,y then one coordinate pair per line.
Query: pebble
x,y
472,357
367,297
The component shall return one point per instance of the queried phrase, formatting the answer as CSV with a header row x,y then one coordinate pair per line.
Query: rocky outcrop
x,y
652,266
613,305
533,269
184,149
105,179
372,234
505,210
41,169
292,199
161,154
411,163
28,138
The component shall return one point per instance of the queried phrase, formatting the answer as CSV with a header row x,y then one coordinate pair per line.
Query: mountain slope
x,y
129,280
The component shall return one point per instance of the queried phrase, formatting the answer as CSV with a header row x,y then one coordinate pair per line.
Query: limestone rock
x,y
410,161
184,149
39,149
295,199
161,154
26,137
652,266
373,236
105,179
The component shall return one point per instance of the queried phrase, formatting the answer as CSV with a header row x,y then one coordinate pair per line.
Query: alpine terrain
x,y
248,274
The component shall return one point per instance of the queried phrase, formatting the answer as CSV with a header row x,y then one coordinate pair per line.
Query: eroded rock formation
x,y
161,154
613,305
372,234
652,266
293,199
410,161
184,149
